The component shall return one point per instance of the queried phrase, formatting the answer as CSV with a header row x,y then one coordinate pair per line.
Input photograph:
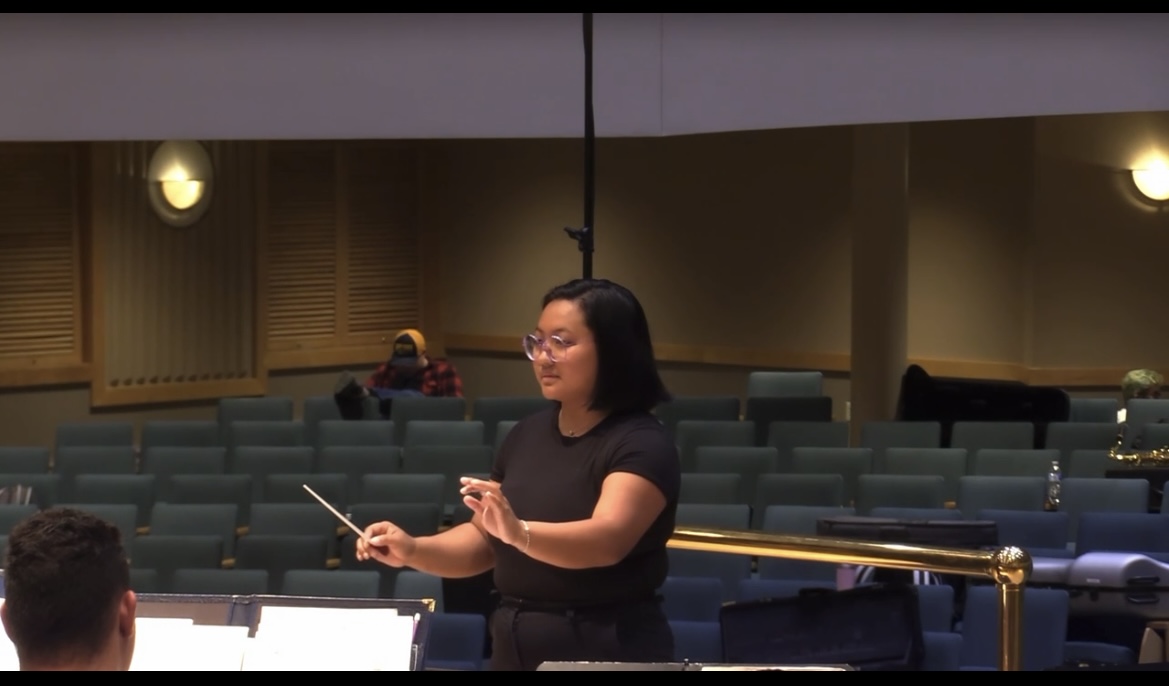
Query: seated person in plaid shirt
x,y
409,372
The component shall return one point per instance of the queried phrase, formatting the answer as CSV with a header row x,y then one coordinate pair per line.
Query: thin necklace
x,y
571,433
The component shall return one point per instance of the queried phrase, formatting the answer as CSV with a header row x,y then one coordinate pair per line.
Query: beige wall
x,y
1023,239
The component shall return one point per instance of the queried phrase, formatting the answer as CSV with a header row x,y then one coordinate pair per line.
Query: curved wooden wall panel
x,y
174,309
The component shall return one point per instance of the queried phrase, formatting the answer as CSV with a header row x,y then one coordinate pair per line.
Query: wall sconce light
x,y
1153,180
179,182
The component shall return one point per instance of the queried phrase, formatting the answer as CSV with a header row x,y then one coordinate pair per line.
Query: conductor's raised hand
x,y
486,499
387,544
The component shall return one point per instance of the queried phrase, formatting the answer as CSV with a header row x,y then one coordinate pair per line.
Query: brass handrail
x,y
1008,567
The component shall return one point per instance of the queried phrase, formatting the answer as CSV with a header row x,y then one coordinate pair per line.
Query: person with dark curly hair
x,y
68,604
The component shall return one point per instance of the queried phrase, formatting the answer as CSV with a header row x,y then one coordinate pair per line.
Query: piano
x,y
926,398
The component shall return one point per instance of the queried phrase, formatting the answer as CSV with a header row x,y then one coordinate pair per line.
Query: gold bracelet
x,y
527,536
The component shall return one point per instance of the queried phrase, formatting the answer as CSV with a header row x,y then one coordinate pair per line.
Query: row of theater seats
x,y
693,606
278,537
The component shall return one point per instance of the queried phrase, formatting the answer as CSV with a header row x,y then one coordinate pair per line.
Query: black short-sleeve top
x,y
549,477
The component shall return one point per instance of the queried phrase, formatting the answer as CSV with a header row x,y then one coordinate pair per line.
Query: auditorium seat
x,y
259,462
1078,496
11,515
787,436
1042,534
493,410
692,599
266,434
457,641
404,488
749,463
165,461
1153,436
697,642
332,583
356,462
899,490
1094,411
414,585
202,519
880,436
1045,620
46,488
24,460
180,434
168,554
815,490
220,582
94,434
139,490
453,462
693,434
762,411
124,517
422,432
1013,462
1132,532
1068,436
785,384
211,489
289,488
974,436
266,409
710,489
317,409
416,519
145,581
849,463
1089,464
337,432
73,460
949,463
277,554
501,431
295,519
407,409
797,520
697,408
977,493
729,568
1140,412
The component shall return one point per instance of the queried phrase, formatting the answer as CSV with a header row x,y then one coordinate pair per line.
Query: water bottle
x,y
1053,486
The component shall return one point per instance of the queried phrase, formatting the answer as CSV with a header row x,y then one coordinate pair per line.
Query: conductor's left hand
x,y
493,510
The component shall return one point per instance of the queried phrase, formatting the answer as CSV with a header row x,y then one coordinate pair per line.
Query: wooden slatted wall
x,y
341,255
41,313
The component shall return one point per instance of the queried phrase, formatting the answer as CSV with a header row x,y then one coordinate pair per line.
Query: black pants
x,y
523,638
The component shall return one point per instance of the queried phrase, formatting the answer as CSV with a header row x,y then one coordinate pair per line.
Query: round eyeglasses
x,y
554,347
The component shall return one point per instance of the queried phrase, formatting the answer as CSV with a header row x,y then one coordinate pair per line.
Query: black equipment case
x,y
871,628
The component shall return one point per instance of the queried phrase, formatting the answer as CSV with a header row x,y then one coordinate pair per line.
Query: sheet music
x,y
159,644
330,639
9,662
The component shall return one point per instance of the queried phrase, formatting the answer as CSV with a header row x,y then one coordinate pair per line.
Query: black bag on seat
x,y
871,628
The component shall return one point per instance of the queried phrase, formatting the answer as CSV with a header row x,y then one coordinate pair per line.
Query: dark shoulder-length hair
x,y
627,373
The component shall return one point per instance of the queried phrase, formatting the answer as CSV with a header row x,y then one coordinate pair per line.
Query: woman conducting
x,y
581,500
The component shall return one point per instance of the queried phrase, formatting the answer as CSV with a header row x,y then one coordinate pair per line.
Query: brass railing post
x,y
1008,567
1012,567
